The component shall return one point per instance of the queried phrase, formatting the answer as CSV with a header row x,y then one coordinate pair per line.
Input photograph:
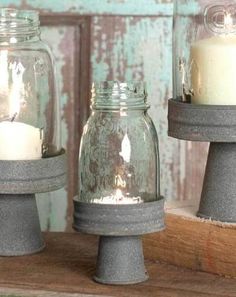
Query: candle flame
x,y
119,181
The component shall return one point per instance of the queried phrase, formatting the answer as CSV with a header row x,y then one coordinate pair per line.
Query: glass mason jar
x,y
29,103
119,160
204,51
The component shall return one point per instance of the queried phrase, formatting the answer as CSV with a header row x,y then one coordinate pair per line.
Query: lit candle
x,y
213,71
19,141
118,198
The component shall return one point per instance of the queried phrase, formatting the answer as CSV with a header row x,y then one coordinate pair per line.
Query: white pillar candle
x,y
213,70
19,141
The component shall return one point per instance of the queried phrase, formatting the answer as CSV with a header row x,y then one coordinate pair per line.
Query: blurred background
x,y
113,40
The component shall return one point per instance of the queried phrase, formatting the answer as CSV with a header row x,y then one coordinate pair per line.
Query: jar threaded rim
x,y
119,95
18,22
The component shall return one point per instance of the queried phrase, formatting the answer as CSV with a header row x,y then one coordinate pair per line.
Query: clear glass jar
x,y
119,159
204,51
29,103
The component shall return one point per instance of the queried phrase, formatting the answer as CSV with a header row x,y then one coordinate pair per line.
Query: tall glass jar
x,y
119,160
29,103
204,51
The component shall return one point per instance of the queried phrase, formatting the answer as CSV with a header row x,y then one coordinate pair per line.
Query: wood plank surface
x,y
195,243
68,264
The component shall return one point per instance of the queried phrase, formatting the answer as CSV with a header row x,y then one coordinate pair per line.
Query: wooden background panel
x,y
65,36
129,40
97,7
140,48
53,206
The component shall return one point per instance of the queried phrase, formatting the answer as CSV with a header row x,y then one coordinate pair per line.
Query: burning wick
x,y
14,116
118,198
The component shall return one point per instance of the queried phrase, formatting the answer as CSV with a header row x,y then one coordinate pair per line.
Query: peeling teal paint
x,y
109,7
99,7
190,7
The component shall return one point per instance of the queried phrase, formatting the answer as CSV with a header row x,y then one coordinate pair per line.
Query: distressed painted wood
x,y
125,40
97,7
69,39
68,264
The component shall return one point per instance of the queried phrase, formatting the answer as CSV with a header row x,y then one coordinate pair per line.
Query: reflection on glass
x,y
118,161
29,108
205,52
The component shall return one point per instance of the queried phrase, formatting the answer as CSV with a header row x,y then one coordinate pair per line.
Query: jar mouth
x,y
119,95
14,21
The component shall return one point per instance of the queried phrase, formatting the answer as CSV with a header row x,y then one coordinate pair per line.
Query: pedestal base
x,y
120,257
215,124
120,260
20,232
218,201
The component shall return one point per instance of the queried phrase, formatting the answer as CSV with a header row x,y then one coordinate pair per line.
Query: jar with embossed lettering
x,y
29,103
119,159
204,52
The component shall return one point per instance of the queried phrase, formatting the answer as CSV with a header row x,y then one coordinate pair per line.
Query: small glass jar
x,y
29,103
119,159
204,51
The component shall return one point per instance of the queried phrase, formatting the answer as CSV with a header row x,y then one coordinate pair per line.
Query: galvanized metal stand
x,y
20,232
120,256
219,188
217,125
120,260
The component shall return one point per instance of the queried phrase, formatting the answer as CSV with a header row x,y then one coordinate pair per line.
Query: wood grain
x,y
194,243
68,264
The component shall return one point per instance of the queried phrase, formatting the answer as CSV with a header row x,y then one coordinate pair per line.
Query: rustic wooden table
x,y
66,266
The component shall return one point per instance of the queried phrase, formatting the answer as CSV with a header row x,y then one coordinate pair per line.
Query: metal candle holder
x,y
120,254
215,124
20,232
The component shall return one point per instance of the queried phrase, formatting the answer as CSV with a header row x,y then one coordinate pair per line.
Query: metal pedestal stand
x,y
20,232
120,256
217,125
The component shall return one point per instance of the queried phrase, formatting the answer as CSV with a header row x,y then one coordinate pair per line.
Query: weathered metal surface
x,y
215,124
119,220
129,40
19,220
218,199
120,256
19,225
120,261
33,176
195,122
